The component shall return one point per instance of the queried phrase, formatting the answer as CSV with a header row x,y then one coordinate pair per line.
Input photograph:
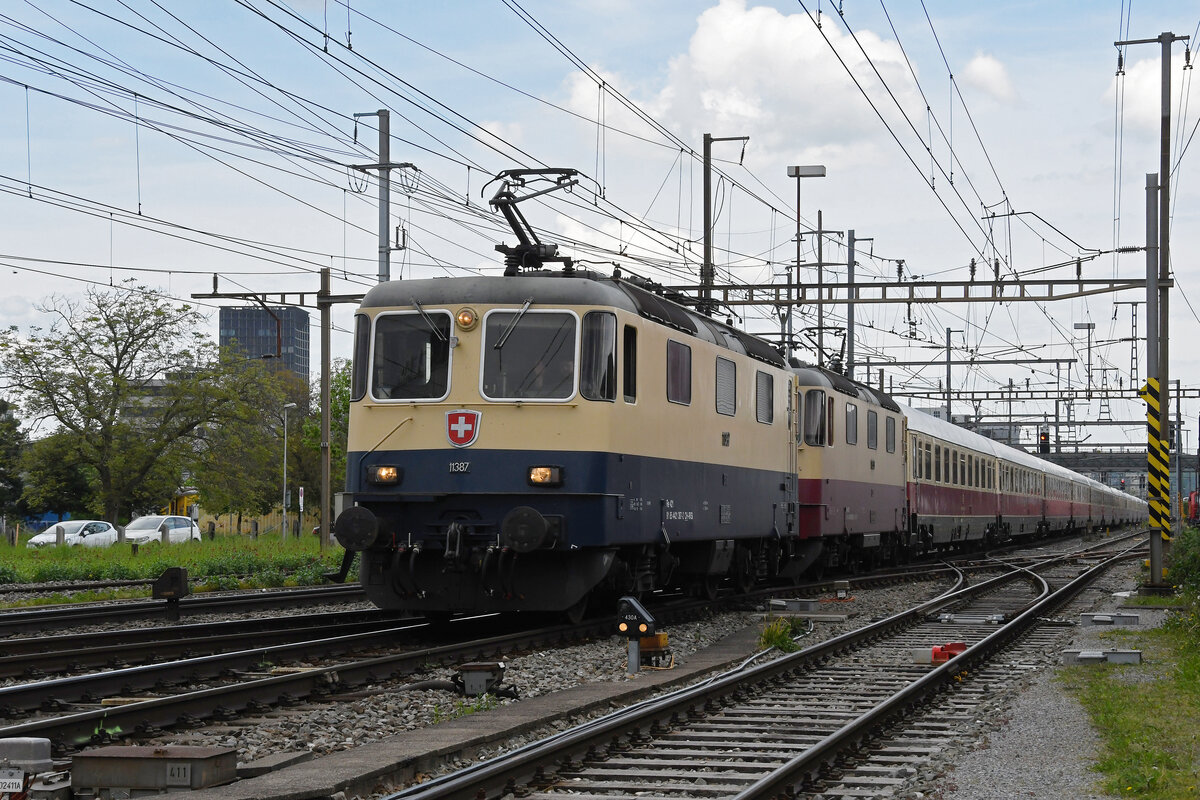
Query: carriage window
x,y
928,460
764,397
937,463
679,372
726,387
411,358
529,356
953,479
814,418
872,430
851,423
598,356
629,365
889,434
362,352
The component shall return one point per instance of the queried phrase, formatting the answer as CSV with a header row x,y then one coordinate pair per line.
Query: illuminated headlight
x,y
383,475
466,318
545,476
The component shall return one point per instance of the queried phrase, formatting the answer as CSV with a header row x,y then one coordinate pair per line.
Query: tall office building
x,y
276,332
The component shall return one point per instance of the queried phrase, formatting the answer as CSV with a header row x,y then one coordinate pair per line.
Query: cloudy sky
x,y
169,145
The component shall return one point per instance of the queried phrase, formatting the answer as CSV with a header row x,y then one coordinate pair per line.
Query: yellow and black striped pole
x,y
1158,460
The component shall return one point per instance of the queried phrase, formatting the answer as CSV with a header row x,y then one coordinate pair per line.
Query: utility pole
x,y
820,289
325,302
1177,489
385,166
1162,374
799,173
707,269
850,243
850,305
1089,327
326,307
948,390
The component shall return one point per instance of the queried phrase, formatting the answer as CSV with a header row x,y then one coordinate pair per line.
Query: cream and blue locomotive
x,y
549,438
523,442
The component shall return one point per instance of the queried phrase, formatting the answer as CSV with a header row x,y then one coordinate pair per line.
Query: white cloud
x,y
761,73
1143,92
986,74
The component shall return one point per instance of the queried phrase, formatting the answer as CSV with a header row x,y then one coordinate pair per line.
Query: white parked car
x,y
86,532
150,529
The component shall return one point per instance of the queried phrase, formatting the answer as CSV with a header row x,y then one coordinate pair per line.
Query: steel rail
x,y
806,767
72,730
534,762
118,651
59,616
190,631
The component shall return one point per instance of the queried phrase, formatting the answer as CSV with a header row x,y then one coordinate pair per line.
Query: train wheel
x,y
743,570
709,585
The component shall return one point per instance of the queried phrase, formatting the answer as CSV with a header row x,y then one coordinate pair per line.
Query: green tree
x,y
12,445
239,468
131,377
56,482
308,460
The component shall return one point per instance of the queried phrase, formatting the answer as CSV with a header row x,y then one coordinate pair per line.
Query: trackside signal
x,y
633,620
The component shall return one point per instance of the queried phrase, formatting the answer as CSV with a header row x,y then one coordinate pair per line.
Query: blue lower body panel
x,y
454,531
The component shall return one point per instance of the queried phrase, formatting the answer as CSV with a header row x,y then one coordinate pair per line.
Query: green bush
x,y
226,562
778,633
8,574
1184,563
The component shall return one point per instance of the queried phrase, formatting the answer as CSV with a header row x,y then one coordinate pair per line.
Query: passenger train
x,y
534,441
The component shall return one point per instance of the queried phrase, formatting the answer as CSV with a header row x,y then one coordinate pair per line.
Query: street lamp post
x,y
283,530
798,172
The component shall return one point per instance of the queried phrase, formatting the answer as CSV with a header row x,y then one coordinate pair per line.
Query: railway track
x,y
39,620
847,717
68,710
39,656
225,685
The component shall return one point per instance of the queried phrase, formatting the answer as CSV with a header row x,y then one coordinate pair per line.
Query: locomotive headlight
x,y
466,318
545,476
383,475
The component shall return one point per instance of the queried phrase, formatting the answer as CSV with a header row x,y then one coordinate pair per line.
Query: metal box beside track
x,y
111,772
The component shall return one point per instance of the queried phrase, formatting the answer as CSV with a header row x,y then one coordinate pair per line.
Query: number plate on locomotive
x,y
460,466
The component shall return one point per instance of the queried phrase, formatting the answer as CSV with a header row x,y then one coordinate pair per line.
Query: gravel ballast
x,y
1042,746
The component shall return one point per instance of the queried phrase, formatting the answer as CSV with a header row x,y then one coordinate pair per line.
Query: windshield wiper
x,y
504,336
429,320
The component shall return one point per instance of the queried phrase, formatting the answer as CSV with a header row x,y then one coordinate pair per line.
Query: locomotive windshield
x,y
535,359
412,356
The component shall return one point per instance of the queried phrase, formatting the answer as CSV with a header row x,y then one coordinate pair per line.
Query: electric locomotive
x,y
537,441
519,443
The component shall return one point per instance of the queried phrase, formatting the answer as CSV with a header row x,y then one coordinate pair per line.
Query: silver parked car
x,y
86,532
150,529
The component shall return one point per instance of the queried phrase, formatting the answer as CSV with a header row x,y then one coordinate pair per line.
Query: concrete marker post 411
x,y
634,622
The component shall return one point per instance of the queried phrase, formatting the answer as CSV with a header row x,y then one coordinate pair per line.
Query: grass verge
x,y
1148,715
223,563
